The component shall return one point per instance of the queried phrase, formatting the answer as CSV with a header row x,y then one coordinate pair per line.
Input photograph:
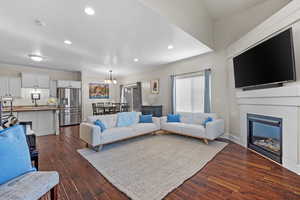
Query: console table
x,y
156,110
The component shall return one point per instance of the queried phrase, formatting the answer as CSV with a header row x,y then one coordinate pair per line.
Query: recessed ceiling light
x,y
170,47
136,60
68,42
89,10
35,58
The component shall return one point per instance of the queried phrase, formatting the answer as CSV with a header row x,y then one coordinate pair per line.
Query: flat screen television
x,y
270,62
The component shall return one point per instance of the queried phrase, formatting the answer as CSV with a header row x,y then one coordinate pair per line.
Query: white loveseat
x,y
92,134
191,125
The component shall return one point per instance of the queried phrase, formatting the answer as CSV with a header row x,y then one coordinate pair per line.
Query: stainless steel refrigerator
x,y
69,101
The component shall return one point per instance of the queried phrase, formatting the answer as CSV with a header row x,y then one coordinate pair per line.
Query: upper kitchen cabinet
x,y
10,86
68,84
53,87
30,80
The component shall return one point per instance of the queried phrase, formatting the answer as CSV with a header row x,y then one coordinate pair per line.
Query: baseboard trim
x,y
235,139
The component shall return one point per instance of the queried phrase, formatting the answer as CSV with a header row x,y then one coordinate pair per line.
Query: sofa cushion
x,y
100,124
186,117
109,121
30,186
145,119
209,119
117,133
173,118
143,128
175,127
126,119
14,154
199,118
193,130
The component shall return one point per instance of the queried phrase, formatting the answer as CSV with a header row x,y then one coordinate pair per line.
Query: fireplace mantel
x,y
282,96
283,102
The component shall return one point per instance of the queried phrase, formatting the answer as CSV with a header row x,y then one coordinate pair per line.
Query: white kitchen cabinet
x,y
31,80
75,84
4,86
53,88
10,86
68,84
14,86
63,84
43,81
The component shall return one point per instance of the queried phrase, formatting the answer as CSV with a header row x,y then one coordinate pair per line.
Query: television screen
x,y
269,62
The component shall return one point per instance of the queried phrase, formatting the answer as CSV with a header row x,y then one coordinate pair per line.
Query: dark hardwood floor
x,y
235,173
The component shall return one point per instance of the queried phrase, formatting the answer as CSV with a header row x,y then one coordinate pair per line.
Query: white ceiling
x,y
120,31
223,8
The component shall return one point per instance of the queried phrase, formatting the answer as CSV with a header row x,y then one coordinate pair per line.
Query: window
x,y
189,93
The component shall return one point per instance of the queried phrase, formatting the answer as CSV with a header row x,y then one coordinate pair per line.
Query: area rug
x,y
149,167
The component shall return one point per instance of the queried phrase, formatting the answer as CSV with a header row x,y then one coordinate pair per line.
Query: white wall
x,y
226,31
86,101
190,15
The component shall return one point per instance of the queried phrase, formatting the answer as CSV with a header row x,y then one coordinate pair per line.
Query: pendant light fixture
x,y
110,79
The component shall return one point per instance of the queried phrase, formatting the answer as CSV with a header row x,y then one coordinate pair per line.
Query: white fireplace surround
x,y
282,102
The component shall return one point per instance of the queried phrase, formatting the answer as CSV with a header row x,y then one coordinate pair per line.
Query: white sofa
x,y
92,134
191,125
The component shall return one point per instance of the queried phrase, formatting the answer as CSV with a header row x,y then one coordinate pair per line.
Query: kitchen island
x,y
44,118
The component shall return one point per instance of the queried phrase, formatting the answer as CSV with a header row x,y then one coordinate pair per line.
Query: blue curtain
x,y
207,98
173,95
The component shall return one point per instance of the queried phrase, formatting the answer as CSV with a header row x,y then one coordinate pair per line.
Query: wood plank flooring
x,y
234,174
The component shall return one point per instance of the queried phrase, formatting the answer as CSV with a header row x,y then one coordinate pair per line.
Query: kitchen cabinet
x,y
14,86
53,88
68,84
43,81
31,80
75,84
10,86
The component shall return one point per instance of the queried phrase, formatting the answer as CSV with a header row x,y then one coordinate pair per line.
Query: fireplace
x,y
265,136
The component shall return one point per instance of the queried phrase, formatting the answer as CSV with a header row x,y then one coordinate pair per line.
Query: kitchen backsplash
x,y
26,97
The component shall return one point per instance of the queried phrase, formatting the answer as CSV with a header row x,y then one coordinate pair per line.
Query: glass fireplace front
x,y
265,136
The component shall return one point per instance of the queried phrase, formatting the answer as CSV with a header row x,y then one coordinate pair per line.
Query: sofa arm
x,y
90,133
214,129
156,121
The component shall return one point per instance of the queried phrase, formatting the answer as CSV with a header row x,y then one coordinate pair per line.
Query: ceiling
x,y
223,8
120,31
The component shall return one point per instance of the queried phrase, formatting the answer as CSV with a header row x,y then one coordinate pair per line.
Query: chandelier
x,y
110,79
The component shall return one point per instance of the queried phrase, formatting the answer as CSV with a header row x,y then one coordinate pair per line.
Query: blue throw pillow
x,y
209,119
100,124
173,118
126,119
146,119
14,154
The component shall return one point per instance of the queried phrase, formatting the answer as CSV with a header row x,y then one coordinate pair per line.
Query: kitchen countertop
x,y
32,108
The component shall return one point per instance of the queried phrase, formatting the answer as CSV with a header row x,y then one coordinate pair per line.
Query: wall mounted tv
x,y
270,62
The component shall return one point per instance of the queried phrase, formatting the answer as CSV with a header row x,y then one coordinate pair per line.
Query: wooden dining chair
x,y
97,109
117,107
124,107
